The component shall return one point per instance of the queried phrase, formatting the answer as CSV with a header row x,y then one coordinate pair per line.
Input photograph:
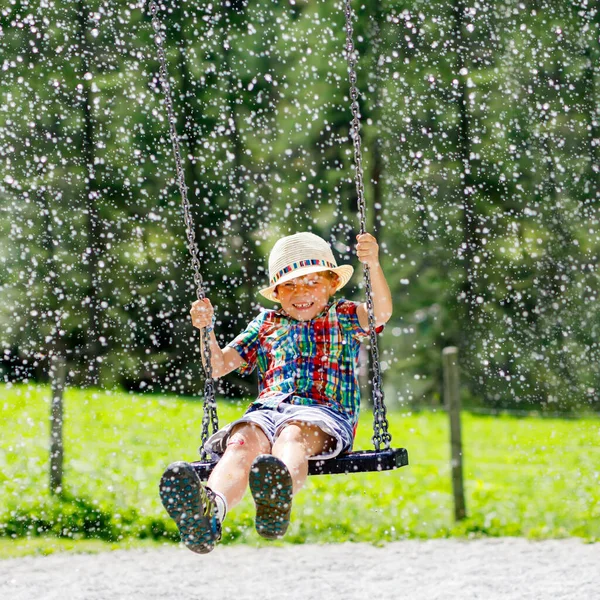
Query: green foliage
x,y
482,169
523,476
75,518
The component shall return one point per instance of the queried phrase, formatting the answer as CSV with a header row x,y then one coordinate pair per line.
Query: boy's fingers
x,y
366,249
202,313
367,239
364,237
198,304
202,305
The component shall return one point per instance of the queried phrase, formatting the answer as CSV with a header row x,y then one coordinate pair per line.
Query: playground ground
x,y
492,568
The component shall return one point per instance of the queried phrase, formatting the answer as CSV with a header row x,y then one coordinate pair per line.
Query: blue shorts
x,y
273,420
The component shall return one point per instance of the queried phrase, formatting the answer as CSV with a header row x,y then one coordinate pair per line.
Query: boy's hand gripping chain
x,y
210,407
380,422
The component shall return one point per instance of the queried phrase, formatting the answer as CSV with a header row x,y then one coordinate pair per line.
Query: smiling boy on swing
x,y
308,403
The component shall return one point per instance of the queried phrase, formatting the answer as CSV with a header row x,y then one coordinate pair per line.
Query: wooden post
x,y
58,373
452,401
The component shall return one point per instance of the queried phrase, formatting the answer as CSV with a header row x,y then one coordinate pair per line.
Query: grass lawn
x,y
523,476
46,545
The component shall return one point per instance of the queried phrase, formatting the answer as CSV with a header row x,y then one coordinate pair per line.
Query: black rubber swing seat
x,y
363,461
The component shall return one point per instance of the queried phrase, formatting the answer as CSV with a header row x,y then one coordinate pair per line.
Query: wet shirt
x,y
305,362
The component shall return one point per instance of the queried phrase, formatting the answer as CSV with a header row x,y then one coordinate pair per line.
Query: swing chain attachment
x,y
381,434
209,416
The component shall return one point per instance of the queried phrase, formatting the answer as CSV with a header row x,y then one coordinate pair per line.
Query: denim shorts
x,y
273,420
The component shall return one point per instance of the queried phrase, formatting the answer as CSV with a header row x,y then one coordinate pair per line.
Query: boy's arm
x,y
367,251
222,361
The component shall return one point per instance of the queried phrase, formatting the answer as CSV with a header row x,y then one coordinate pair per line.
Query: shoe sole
x,y
272,488
186,501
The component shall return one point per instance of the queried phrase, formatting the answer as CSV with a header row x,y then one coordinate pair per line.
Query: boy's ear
x,y
275,292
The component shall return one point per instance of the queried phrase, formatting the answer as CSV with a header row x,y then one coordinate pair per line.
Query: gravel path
x,y
439,569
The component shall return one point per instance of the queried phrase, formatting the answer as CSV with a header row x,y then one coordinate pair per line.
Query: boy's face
x,y
303,298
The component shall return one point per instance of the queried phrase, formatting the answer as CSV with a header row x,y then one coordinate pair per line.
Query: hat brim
x,y
344,272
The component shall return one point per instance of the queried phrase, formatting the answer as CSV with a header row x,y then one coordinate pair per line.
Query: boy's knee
x,y
309,436
237,441
247,439
293,433
306,435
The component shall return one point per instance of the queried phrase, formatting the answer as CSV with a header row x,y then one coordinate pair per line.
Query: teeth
x,y
303,305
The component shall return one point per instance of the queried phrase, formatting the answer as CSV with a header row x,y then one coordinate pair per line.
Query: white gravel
x,y
438,569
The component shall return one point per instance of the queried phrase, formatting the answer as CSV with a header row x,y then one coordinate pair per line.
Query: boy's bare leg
x,y
296,443
230,476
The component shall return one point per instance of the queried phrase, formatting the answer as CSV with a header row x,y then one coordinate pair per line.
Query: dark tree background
x,y
481,135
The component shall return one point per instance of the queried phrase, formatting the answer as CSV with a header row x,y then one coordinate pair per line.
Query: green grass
x,y
531,477
47,545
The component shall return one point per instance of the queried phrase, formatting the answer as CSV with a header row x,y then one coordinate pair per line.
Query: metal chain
x,y
380,422
209,416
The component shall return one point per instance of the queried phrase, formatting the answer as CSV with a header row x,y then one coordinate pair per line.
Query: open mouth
x,y
302,305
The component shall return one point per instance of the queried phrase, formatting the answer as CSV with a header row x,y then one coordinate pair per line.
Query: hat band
x,y
311,262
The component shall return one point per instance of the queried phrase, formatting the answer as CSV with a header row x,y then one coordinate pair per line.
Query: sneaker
x,y
192,506
271,487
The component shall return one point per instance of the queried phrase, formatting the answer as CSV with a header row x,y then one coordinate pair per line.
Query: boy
x,y
308,403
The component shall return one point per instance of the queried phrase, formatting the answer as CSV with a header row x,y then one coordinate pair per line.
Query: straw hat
x,y
301,254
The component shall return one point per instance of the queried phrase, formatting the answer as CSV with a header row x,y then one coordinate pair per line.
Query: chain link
x,y
209,417
381,434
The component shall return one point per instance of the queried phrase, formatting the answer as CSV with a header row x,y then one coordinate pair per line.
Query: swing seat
x,y
361,461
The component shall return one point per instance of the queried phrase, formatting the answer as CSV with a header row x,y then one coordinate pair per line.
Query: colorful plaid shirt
x,y
305,362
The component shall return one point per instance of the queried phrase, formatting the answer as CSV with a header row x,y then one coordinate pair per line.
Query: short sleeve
x,y
348,319
246,344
